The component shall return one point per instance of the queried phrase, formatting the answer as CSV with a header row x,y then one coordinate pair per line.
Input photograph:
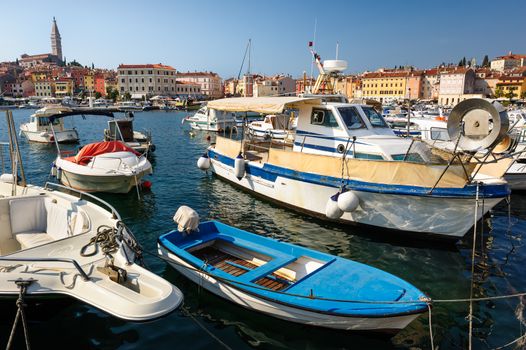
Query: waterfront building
x,y
141,80
78,73
457,85
385,86
430,84
211,83
279,85
89,82
508,62
509,84
188,90
99,84
44,88
414,85
64,87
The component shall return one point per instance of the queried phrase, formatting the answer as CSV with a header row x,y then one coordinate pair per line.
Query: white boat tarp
x,y
265,105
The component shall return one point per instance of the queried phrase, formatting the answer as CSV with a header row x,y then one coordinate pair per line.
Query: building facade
x,y
385,86
457,85
141,80
44,88
211,83
508,62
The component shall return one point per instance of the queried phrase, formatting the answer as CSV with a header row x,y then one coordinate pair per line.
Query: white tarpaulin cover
x,y
266,105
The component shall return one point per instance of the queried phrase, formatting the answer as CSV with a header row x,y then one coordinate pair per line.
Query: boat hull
x,y
211,126
516,176
109,184
66,136
283,311
436,216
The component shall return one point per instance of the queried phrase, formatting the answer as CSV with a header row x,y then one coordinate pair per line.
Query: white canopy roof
x,y
266,105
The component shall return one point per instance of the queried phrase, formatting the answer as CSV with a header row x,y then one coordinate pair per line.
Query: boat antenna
x,y
313,48
337,49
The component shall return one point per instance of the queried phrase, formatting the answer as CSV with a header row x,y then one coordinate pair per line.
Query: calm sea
x,y
443,272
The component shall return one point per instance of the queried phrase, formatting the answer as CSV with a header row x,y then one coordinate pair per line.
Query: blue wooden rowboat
x,y
292,282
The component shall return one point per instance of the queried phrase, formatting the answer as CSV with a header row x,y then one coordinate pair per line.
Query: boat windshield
x,y
45,121
351,117
374,117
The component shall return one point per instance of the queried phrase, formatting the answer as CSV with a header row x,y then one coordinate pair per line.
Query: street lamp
x,y
408,111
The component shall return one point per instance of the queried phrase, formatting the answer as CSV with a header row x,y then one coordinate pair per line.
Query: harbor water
x,y
208,322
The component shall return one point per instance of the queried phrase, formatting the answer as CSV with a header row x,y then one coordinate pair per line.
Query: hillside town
x,y
41,77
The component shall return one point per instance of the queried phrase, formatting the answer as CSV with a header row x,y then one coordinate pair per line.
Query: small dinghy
x,y
109,166
291,282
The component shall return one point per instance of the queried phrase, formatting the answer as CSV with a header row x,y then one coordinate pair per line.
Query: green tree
x,y
126,96
499,92
74,63
98,95
485,61
510,95
523,95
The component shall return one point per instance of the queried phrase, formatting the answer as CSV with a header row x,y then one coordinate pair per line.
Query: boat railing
x,y
77,266
51,186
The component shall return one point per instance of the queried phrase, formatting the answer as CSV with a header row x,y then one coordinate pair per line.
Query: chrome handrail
x,y
81,194
66,260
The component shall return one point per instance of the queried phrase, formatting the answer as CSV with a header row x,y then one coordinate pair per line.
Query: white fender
x,y
239,166
7,178
203,162
59,174
53,170
348,201
332,211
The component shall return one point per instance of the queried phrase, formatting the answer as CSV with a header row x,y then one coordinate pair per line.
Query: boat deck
x,y
237,267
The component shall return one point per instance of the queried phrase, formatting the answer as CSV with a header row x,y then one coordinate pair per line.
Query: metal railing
x,y
50,186
77,266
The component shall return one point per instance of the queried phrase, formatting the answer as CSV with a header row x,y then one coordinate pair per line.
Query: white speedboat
x,y
57,241
129,106
108,166
211,120
347,165
273,126
39,128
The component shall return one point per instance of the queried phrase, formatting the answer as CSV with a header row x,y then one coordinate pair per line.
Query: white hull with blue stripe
x,y
404,209
397,184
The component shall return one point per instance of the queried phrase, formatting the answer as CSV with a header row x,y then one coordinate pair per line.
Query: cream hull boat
x,y
45,242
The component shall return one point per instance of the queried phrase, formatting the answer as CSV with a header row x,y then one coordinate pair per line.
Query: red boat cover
x,y
94,149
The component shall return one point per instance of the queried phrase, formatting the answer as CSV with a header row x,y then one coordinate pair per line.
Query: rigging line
x,y
243,62
473,249
187,313
313,49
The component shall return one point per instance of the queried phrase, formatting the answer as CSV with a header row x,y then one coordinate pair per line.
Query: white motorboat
x,y
39,128
122,129
273,126
108,166
129,106
57,241
211,120
348,151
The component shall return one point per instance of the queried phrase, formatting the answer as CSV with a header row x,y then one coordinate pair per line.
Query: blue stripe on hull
x,y
270,173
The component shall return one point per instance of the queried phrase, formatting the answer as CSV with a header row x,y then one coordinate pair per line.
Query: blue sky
x,y
212,35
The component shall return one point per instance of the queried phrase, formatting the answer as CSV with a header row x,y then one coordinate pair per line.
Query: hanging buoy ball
x,y
203,162
348,201
332,211
146,185
239,166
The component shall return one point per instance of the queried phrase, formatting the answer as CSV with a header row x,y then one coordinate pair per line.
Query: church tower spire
x,y
56,44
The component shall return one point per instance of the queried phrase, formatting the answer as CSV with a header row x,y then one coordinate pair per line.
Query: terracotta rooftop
x,y
145,66
195,74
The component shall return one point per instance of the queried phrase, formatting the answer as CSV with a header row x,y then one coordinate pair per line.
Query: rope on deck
x,y
20,314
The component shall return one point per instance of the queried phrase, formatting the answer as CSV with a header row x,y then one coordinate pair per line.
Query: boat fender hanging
x,y
239,166
53,170
59,174
187,219
348,201
332,211
203,162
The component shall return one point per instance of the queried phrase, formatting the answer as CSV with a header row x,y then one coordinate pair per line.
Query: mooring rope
x,y
187,313
20,314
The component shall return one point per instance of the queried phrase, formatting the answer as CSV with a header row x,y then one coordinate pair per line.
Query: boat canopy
x,y
94,149
71,112
265,105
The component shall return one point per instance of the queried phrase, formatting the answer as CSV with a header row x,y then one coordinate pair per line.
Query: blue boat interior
x,y
264,266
